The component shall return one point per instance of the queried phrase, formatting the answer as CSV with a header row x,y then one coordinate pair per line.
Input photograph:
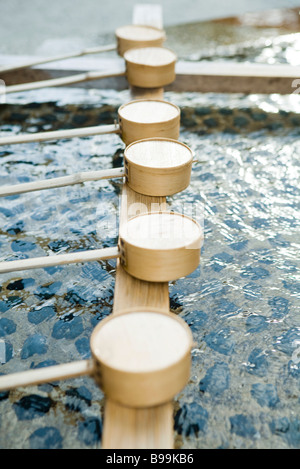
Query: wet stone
x,y
294,368
35,344
90,431
11,301
36,316
252,291
206,177
7,327
78,399
32,406
57,246
279,306
211,122
241,425
191,419
202,111
44,364
259,222
80,296
216,380
16,228
83,347
20,245
286,342
257,363
232,224
259,116
239,245
20,284
226,111
256,324
8,352
288,429
220,260
52,270
196,320
45,292
255,273
46,438
265,394
67,329
6,212
293,287
240,121
220,341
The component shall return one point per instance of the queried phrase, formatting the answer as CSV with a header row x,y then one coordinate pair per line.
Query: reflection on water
x,y
242,303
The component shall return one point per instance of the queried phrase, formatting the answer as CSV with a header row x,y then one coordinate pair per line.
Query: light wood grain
x,y
150,67
134,35
142,358
145,118
47,374
138,119
152,427
60,134
160,247
143,67
158,166
81,53
126,427
59,259
66,81
63,181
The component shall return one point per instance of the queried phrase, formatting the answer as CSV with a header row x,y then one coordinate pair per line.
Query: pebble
x,y
35,344
257,363
78,399
220,341
21,284
20,245
242,425
256,324
191,419
265,394
36,316
32,406
69,329
46,438
216,379
45,292
90,431
7,327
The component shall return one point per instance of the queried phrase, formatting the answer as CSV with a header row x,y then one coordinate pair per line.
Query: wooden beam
x,y
127,428
220,77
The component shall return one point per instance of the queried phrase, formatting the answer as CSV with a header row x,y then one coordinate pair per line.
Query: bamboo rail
x,y
152,427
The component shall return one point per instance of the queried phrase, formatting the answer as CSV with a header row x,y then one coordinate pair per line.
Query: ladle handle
x,y
64,81
52,183
47,374
33,63
60,259
59,134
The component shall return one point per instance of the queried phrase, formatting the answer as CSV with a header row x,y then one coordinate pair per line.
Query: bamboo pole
x,y
52,183
33,63
46,375
61,134
152,427
64,81
60,259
